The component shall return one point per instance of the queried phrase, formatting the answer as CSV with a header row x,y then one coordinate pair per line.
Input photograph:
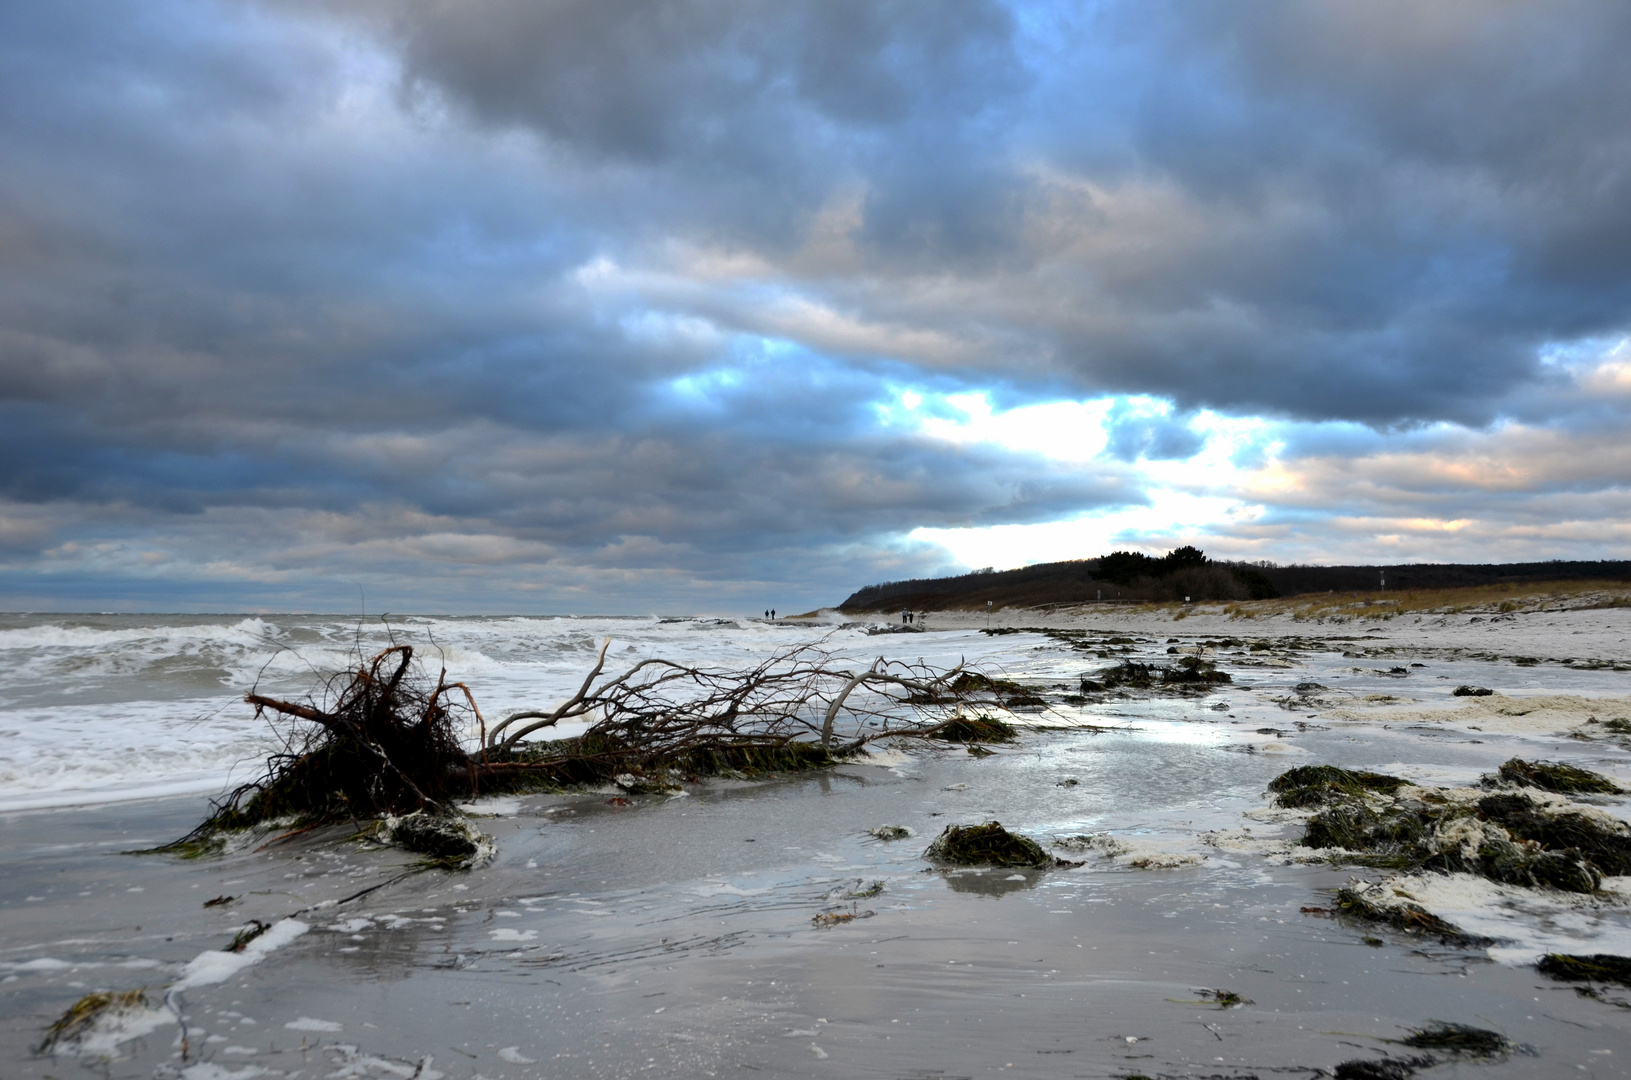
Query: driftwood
x,y
386,739
797,694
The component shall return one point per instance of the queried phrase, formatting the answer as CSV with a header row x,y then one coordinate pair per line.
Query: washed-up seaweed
x,y
1315,785
1597,967
986,845
1462,1040
976,729
1552,776
446,842
1608,849
890,832
1382,1068
1408,917
80,1017
1188,674
1376,820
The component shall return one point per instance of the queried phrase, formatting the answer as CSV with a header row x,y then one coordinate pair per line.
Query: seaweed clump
x,y
1190,673
82,1016
1382,1068
986,845
1316,785
1410,917
976,729
1375,820
1463,1040
1011,694
1606,844
1553,776
447,843
1597,967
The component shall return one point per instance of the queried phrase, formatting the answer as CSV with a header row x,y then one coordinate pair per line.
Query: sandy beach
x,y
679,935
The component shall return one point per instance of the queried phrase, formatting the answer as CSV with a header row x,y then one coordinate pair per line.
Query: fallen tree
x,y
385,741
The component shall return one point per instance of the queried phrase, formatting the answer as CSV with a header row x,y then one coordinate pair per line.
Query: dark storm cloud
x,y
620,286
1372,211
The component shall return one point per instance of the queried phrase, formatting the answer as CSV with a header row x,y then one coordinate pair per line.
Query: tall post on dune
x,y
988,614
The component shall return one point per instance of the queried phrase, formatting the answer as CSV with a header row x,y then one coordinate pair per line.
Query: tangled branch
x,y
386,739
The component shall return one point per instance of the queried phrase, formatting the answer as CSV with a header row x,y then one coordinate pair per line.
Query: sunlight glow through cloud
x,y
1178,498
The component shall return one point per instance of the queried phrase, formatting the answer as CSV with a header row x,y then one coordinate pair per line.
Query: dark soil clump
x,y
1471,691
986,845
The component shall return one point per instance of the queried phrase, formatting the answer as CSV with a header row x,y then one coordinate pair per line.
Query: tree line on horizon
x,y
1187,571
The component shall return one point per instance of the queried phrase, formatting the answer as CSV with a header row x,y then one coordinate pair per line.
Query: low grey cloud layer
x,y
614,305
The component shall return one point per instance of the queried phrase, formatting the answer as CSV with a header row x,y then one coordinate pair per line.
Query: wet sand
x,y
674,936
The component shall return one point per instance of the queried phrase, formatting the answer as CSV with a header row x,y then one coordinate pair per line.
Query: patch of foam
x,y
216,966
209,1070
724,888
505,933
886,757
1137,853
44,963
115,1027
499,806
311,1023
354,1063
1500,714
1526,923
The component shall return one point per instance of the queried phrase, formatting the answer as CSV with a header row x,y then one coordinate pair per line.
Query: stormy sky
x,y
713,305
